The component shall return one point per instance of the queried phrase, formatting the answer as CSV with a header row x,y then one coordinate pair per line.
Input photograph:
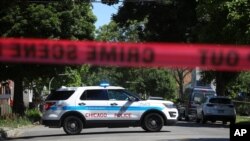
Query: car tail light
x,y
210,105
231,106
47,105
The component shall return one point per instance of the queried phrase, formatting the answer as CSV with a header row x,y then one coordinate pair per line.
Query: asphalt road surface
x,y
183,131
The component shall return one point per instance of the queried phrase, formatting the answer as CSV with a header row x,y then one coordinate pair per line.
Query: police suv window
x,y
94,95
117,95
60,95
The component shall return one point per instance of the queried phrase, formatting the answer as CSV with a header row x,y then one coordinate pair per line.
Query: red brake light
x,y
47,105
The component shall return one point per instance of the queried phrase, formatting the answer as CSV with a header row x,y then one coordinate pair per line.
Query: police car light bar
x,y
104,84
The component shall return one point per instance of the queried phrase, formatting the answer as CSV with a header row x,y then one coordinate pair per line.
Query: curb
x,y
9,132
6,132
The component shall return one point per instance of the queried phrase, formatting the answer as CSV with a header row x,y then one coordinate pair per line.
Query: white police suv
x,y
75,108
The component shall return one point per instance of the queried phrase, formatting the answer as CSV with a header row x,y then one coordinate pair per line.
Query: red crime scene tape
x,y
205,56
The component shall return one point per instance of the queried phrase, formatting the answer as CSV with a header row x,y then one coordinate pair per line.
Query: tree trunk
x,y
220,84
181,88
18,104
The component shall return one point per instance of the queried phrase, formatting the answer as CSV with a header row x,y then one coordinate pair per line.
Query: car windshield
x,y
220,101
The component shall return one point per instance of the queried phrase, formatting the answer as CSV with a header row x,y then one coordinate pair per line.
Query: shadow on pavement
x,y
199,139
89,133
208,124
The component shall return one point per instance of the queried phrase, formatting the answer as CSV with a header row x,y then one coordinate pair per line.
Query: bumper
x,y
220,117
52,123
171,122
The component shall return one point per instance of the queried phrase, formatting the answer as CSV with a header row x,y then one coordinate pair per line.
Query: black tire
x,y
72,125
203,119
224,122
213,121
152,122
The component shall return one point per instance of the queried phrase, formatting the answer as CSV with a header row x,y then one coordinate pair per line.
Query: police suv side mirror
x,y
132,99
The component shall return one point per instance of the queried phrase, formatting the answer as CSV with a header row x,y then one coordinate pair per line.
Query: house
x,y
194,79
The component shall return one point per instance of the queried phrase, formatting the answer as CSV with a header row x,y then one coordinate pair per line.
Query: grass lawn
x,y
14,123
243,119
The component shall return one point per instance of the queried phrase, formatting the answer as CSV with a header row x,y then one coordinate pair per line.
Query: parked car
x,y
193,96
216,108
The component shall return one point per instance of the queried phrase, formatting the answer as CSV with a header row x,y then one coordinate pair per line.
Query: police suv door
x,y
93,104
122,106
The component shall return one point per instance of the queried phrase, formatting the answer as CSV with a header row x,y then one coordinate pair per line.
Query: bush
x,y
33,115
242,108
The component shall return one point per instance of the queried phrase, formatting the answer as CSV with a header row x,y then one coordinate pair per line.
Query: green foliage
x,y
13,121
154,82
243,119
170,21
241,84
225,21
115,33
65,19
243,110
110,2
146,81
33,115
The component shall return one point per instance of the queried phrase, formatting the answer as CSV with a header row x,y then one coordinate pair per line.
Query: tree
x,y
110,2
155,82
175,24
223,22
179,76
170,21
203,21
61,20
112,32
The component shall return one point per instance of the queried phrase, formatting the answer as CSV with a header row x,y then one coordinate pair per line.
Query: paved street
x,y
183,131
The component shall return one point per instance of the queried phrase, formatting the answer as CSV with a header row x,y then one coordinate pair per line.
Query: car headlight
x,y
169,105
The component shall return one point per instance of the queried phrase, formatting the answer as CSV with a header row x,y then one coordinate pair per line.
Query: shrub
x,y
243,109
33,115
13,121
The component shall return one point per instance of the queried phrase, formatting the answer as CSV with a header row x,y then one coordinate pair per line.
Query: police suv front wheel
x,y
153,122
72,125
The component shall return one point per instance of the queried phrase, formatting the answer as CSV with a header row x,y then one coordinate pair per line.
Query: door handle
x,y
81,104
113,104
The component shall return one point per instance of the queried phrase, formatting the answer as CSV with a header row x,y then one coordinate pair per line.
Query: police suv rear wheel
x,y
153,122
72,125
